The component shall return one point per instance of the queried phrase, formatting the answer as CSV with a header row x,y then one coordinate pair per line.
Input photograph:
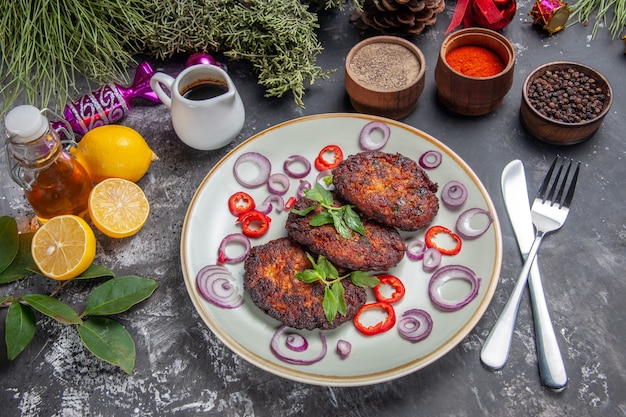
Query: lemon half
x,y
63,247
118,207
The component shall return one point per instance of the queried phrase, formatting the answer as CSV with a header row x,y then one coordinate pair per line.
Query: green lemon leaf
x,y
23,264
96,271
52,307
20,328
118,295
9,241
109,341
330,304
353,220
363,279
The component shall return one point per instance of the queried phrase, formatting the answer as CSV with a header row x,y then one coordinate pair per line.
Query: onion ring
x,y
322,177
233,238
278,183
276,349
415,325
445,274
415,249
431,259
297,159
266,206
430,159
215,284
302,187
365,137
464,223
454,195
296,342
263,165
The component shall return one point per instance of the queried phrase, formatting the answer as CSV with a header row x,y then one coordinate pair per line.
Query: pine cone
x,y
398,17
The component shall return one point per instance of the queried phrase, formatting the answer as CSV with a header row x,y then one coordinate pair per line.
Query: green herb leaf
x,y
363,279
118,295
9,241
353,220
109,341
320,194
23,264
304,211
309,276
338,290
52,307
340,226
327,268
330,304
20,328
321,219
96,271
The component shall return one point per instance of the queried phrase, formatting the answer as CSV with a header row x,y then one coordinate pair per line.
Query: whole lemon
x,y
114,151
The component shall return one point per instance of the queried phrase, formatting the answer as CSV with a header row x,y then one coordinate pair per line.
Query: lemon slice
x,y
63,247
118,207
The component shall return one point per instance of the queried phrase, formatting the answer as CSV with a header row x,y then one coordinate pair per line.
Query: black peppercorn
x,y
568,96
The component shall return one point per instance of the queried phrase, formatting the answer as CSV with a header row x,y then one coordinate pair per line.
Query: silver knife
x,y
495,351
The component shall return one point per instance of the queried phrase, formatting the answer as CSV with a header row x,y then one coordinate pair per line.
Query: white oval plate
x,y
248,331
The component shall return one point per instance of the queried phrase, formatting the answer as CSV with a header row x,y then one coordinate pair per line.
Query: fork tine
x,y
555,182
559,195
572,186
546,181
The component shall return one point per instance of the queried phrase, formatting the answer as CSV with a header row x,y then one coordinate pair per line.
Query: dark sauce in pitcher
x,y
204,90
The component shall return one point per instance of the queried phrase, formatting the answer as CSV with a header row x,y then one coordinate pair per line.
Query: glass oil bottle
x,y
54,182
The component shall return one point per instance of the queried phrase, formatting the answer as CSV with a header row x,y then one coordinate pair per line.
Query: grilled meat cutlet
x,y
390,188
380,249
270,279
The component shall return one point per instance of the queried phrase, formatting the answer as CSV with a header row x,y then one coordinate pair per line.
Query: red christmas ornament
x,y
489,14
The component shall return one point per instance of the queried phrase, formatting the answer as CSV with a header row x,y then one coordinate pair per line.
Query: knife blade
x,y
551,366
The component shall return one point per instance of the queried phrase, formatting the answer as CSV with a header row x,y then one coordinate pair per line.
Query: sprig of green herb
x,y
344,218
334,301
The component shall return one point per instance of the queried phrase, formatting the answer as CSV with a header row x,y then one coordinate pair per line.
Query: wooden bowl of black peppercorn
x,y
564,103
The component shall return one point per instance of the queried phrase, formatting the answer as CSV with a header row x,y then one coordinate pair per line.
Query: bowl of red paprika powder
x,y
564,103
474,71
385,76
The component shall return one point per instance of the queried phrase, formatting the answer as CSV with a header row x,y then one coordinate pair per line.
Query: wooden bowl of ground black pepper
x,y
476,82
385,75
564,103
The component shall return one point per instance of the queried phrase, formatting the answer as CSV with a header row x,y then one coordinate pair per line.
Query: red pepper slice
x,y
240,203
381,326
392,281
290,203
321,163
254,223
434,231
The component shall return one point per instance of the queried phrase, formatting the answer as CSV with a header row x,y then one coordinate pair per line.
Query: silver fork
x,y
549,212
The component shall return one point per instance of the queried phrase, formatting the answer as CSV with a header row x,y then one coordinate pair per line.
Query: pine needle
x,y
600,10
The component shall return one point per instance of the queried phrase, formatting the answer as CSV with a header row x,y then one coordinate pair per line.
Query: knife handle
x,y
551,367
495,351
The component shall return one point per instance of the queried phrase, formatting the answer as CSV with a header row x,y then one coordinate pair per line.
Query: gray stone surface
x,y
183,369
